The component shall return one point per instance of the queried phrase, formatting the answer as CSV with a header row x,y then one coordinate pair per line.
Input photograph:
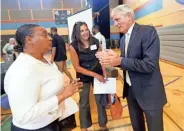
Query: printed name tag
x,y
93,47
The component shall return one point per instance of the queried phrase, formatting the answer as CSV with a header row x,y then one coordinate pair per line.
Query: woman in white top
x,y
33,85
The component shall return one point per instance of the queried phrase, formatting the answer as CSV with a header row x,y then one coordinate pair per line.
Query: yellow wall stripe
x,y
61,31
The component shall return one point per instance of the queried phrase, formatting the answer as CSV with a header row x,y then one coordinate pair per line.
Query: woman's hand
x,y
72,88
69,90
104,71
100,78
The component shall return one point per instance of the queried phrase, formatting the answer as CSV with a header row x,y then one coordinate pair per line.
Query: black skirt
x,y
54,126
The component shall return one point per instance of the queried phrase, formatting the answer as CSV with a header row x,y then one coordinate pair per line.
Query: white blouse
x,y
32,86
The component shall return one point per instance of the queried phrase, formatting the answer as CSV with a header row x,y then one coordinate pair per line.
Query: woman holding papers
x,y
34,86
83,49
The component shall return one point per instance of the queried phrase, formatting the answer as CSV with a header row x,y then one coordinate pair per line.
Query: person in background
x,y
59,52
8,48
139,60
83,49
34,86
99,36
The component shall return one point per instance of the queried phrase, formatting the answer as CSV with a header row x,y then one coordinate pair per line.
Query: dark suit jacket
x,y
142,63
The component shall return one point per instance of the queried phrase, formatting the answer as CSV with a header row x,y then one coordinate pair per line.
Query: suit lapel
x,y
122,46
132,37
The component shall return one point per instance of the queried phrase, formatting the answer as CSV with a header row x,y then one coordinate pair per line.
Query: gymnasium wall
x,y
168,17
114,31
158,12
172,43
15,13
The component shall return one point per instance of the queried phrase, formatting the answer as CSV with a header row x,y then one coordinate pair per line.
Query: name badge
x,y
93,47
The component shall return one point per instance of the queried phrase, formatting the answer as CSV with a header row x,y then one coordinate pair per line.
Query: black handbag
x,y
68,123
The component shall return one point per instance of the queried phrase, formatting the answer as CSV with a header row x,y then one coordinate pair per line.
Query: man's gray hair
x,y
123,9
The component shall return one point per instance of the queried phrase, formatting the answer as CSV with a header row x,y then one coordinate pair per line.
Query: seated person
x,y
8,48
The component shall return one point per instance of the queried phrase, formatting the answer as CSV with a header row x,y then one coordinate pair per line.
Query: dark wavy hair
x,y
21,34
76,35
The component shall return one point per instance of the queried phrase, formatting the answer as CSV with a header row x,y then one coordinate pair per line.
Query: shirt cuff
x,y
55,105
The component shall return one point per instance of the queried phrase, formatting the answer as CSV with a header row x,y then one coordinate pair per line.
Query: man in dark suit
x,y
139,60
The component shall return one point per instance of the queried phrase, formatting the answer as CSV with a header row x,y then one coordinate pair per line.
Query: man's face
x,y
122,21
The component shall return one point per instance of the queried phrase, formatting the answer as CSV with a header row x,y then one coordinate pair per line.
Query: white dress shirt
x,y
127,39
101,39
32,86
